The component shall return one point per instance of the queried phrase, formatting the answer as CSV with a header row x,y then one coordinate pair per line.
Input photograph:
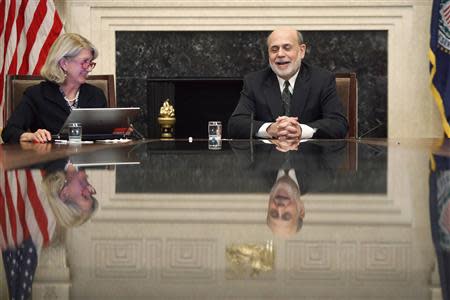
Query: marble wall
x,y
145,55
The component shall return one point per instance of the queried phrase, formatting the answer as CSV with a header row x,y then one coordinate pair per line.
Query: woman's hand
x,y
39,136
38,148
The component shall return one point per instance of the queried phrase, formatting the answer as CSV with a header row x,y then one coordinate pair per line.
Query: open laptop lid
x,y
100,123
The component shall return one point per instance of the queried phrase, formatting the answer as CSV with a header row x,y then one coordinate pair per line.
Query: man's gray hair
x,y
299,37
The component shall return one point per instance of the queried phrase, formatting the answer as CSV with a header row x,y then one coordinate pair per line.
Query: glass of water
x,y
75,132
215,130
214,135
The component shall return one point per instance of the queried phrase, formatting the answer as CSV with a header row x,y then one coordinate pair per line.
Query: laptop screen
x,y
100,123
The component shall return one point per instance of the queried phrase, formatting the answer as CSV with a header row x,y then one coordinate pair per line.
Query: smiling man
x,y
291,99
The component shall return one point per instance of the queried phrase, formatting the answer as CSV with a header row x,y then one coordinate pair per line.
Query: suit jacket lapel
x,y
83,97
51,93
301,91
273,95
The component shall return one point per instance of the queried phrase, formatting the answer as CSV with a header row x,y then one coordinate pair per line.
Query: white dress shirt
x,y
290,173
307,131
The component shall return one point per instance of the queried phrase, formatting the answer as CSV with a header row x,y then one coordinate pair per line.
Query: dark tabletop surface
x,y
189,220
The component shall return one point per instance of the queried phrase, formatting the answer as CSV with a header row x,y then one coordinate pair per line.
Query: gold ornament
x,y
167,120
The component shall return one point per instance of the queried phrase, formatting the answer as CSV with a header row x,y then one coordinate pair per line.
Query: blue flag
x,y
439,56
439,192
20,265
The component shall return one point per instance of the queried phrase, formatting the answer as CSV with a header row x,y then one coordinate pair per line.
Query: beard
x,y
288,72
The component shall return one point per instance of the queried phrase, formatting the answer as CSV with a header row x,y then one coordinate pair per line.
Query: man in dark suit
x,y
290,99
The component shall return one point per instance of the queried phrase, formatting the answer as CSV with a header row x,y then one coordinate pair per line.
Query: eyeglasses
x,y
88,65
83,184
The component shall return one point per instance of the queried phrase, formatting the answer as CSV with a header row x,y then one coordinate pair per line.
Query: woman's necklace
x,y
73,103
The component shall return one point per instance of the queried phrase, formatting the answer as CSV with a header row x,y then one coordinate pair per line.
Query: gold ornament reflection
x,y
249,260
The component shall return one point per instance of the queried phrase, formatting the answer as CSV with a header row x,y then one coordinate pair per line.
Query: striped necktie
x,y
286,98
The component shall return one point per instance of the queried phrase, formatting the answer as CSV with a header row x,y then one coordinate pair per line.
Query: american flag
x,y
28,28
26,225
445,13
439,56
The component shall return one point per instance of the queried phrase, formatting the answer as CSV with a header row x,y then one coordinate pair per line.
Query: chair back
x,y
347,90
16,85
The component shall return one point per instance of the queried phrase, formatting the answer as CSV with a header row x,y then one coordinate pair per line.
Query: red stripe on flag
x,y
447,11
8,28
13,65
38,18
2,26
3,215
39,212
2,15
11,210
21,209
19,27
52,36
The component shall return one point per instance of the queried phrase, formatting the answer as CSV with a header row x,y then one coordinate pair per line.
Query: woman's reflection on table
x,y
34,203
70,195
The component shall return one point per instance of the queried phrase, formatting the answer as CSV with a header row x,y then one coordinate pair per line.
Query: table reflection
x,y
158,220
163,167
34,205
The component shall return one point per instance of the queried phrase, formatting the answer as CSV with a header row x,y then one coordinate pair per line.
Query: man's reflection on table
x,y
33,205
440,218
286,209
292,168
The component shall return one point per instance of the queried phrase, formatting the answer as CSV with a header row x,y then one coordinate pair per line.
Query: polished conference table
x,y
189,220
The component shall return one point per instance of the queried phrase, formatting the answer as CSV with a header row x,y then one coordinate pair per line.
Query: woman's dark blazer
x,y
43,107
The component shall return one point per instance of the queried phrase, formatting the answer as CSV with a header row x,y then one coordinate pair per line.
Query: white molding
x,y
52,278
348,262
242,3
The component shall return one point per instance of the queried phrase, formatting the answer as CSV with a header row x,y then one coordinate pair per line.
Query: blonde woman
x,y
45,106
70,196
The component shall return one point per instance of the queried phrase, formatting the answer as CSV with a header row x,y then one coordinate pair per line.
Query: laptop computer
x,y
100,123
